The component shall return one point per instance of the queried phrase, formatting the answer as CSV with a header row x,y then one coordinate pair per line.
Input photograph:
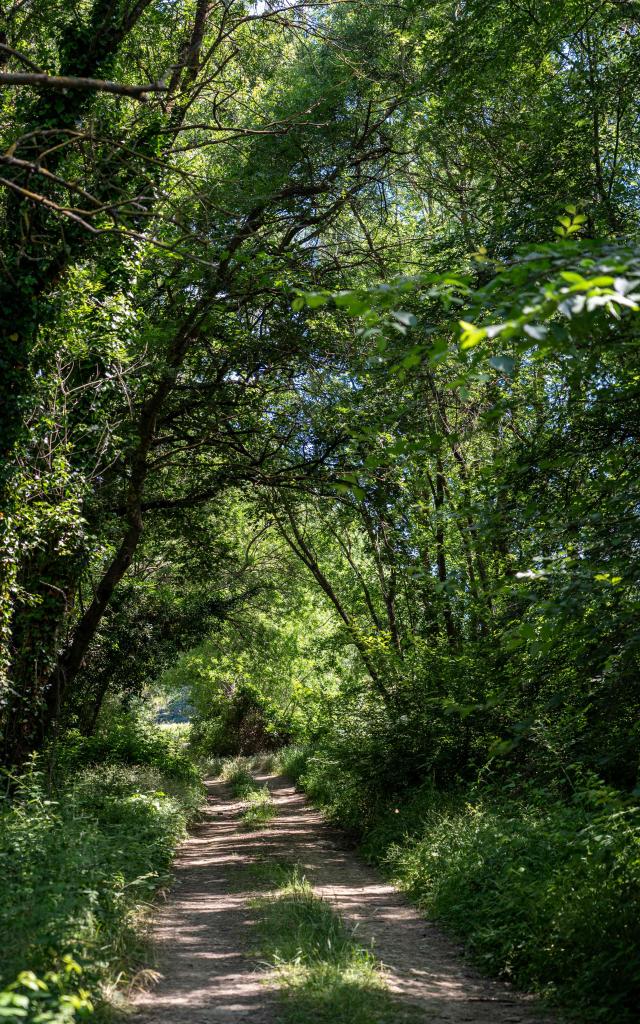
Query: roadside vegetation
x,y
541,886
319,423
82,856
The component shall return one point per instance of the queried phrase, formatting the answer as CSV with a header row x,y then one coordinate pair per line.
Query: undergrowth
x,y
131,739
79,863
543,890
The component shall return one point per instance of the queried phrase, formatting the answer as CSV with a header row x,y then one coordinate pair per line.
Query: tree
x,y
190,360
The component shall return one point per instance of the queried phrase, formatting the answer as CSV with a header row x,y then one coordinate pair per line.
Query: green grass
x,y
237,772
261,809
78,868
326,975
543,891
265,873
266,762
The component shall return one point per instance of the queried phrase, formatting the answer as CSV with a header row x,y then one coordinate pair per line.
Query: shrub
x,y
543,891
75,865
128,739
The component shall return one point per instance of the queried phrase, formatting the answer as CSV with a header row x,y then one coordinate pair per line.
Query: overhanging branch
x,y
63,83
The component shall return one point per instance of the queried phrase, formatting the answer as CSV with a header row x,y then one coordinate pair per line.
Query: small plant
x,y
261,809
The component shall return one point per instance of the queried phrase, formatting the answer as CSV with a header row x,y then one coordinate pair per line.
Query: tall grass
x,y
544,891
238,772
326,975
77,867
260,809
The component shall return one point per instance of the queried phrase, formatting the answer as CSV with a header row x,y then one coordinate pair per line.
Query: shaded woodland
x,y
319,405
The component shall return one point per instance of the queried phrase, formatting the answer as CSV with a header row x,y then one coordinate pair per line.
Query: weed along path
x,y
274,920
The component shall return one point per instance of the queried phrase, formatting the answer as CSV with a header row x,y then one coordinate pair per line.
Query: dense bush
x,y
76,864
130,739
543,890
243,722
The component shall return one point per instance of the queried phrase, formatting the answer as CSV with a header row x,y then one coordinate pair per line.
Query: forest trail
x,y
204,933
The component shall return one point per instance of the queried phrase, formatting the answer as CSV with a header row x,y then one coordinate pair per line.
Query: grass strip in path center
x,y
326,975
260,807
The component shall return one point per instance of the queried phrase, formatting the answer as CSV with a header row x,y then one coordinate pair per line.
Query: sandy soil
x,y
203,933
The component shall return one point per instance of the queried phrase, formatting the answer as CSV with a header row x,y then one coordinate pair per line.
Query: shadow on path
x,y
204,931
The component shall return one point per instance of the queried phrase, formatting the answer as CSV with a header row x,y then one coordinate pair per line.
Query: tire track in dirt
x,y
204,932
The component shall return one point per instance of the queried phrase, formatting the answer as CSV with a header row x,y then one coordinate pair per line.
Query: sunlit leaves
x,y
570,223
523,305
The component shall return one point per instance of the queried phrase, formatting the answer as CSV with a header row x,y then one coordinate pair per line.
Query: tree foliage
x,y
320,379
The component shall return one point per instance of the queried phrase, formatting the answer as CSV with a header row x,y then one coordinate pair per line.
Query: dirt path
x,y
204,931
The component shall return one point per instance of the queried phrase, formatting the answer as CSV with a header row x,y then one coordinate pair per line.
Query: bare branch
x,y
21,57
63,82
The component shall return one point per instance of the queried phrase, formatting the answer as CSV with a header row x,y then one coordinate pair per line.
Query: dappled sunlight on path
x,y
204,933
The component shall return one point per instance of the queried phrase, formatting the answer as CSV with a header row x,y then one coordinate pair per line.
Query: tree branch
x,y
64,83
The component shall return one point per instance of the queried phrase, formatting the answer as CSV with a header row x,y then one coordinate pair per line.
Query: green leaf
x,y
572,277
413,359
471,335
504,364
408,319
316,299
